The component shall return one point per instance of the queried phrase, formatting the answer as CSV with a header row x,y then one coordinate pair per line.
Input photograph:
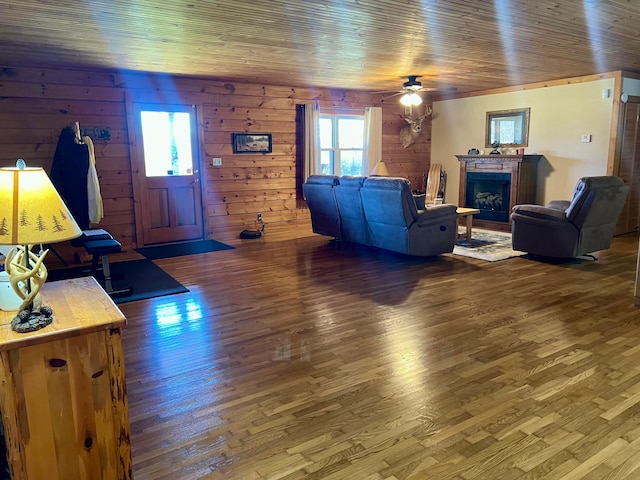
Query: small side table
x,y
468,213
63,398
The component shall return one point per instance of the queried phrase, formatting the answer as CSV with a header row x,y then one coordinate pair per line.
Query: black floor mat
x,y
183,248
143,277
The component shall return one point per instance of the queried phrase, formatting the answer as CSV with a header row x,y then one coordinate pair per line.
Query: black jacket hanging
x,y
69,175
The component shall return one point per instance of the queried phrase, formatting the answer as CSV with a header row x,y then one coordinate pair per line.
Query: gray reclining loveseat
x,y
381,212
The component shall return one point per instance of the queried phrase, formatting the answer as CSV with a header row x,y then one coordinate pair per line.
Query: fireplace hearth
x,y
494,184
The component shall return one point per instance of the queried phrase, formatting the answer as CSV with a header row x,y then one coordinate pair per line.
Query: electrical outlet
x,y
216,162
586,138
259,217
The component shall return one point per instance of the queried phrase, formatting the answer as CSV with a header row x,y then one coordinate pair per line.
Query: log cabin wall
x,y
36,104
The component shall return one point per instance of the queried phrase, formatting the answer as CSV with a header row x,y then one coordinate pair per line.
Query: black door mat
x,y
182,248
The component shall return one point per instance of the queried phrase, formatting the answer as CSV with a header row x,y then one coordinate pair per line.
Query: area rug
x,y
143,277
487,245
182,248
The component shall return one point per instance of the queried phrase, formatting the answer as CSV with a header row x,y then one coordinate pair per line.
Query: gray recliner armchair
x,y
567,229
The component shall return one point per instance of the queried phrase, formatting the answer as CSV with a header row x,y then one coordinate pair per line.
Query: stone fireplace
x,y
494,184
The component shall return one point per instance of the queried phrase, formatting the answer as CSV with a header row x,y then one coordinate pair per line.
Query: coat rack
x,y
75,126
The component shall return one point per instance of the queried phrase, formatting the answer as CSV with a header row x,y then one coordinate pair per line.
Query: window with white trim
x,y
342,144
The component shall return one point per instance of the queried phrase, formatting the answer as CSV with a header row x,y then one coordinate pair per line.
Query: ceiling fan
x,y
409,92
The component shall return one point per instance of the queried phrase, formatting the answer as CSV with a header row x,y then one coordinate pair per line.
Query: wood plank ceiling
x,y
353,44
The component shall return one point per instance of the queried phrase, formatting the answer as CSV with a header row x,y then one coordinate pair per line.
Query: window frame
x,y
335,151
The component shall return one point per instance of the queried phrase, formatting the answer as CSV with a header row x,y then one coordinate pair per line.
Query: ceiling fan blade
x,y
384,91
391,96
439,89
394,93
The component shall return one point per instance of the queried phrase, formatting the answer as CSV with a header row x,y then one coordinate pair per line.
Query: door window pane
x,y
166,138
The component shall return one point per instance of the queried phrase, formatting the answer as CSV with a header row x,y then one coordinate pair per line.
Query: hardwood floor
x,y
293,359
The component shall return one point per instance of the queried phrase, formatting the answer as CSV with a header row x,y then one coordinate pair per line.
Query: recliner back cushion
x,y
597,201
318,191
354,225
389,201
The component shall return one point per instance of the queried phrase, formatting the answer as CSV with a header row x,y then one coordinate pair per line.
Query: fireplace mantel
x,y
523,170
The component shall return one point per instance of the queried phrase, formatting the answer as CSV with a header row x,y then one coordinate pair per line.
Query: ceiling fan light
x,y
410,99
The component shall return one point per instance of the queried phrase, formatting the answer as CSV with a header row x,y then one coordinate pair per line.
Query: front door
x,y
629,169
169,181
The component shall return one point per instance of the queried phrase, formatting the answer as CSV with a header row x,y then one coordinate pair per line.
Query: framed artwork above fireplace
x,y
508,128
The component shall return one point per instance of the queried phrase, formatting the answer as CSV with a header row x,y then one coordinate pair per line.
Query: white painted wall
x,y
559,116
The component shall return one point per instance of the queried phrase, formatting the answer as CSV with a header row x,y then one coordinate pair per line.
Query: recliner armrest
x,y
436,213
559,204
540,212
442,208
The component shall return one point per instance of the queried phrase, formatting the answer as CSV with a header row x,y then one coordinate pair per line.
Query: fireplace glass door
x,y
490,193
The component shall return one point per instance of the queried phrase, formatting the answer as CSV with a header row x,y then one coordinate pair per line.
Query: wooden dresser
x,y
63,398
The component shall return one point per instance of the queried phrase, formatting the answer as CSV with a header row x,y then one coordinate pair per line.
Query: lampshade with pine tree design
x,y
31,210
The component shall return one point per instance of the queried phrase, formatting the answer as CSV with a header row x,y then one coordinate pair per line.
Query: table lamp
x,y
31,212
379,170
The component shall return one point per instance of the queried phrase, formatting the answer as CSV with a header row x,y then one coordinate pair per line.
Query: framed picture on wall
x,y
252,143
508,128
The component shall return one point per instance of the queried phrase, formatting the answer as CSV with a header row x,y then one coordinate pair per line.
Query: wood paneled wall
x,y
36,104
